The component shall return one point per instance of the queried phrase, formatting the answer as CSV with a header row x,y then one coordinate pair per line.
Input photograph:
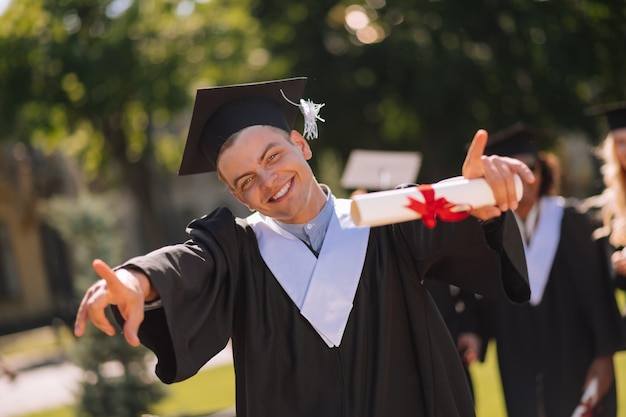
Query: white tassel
x,y
310,111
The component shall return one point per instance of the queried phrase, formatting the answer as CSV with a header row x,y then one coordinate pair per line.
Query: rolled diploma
x,y
387,207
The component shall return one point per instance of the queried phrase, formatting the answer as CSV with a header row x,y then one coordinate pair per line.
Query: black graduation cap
x,y
615,113
219,112
514,140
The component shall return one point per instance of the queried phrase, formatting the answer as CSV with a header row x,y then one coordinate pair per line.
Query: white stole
x,y
323,288
542,248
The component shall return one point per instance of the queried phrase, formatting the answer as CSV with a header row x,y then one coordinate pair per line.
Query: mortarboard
x,y
219,112
615,114
514,140
380,170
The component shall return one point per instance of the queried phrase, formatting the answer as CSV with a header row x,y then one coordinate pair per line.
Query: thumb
x,y
472,166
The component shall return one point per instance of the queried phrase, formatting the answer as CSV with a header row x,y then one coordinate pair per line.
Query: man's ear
x,y
301,143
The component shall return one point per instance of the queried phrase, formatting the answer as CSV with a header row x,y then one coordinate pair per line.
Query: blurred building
x,y
38,281
35,280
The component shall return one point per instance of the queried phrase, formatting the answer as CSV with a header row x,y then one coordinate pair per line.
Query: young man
x,y
326,318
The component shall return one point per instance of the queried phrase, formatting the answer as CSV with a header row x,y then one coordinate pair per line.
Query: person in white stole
x,y
561,343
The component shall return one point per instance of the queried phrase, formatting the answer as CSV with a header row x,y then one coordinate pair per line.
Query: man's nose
x,y
268,178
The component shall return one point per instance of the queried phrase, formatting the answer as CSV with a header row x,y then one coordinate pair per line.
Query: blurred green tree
x,y
425,75
106,81
116,381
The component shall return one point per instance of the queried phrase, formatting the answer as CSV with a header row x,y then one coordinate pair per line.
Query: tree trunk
x,y
140,177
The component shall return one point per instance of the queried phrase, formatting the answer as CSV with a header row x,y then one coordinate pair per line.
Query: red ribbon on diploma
x,y
433,207
588,406
588,409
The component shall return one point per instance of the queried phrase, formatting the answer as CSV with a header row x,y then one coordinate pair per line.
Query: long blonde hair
x,y
614,194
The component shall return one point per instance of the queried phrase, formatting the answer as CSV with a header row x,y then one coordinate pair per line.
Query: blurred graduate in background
x,y
609,208
551,348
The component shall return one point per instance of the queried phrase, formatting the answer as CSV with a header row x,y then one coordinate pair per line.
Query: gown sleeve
x,y
486,259
196,281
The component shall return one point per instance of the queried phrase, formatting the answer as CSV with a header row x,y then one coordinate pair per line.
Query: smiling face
x,y
266,169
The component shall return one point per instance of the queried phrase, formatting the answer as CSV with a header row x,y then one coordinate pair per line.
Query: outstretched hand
x,y
124,288
499,172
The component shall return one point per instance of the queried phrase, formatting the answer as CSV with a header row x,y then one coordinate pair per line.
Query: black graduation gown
x,y
458,310
396,357
576,321
593,208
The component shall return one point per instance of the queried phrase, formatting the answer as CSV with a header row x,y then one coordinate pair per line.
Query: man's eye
x,y
245,182
272,156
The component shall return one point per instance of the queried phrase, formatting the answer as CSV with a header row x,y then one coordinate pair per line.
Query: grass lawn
x,y
489,397
209,391
213,390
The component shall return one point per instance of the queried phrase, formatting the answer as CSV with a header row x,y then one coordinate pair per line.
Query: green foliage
x,y
105,82
415,75
116,381
330,170
112,82
116,72
89,224
426,75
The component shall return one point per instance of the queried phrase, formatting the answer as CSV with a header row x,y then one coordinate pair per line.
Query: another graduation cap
x,y
380,170
219,112
615,114
514,140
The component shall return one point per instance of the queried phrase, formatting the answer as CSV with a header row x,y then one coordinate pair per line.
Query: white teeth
x,y
281,192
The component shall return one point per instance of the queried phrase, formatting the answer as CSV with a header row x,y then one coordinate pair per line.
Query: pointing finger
x,y
105,272
472,166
